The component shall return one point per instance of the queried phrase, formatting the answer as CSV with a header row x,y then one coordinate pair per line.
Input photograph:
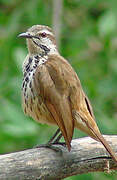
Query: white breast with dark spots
x,y
28,91
33,105
29,67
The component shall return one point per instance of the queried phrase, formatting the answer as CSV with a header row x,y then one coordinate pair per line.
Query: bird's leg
x,y
53,137
53,141
56,141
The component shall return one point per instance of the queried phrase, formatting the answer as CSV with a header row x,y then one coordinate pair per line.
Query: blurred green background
x,y
87,38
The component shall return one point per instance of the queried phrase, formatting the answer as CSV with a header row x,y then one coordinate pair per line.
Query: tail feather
x,y
90,123
103,141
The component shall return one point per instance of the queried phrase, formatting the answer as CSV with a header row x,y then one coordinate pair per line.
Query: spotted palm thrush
x,y
51,90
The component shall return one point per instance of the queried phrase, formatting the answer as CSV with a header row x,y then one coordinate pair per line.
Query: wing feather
x,y
56,101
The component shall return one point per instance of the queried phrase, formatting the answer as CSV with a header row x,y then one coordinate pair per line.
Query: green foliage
x,y
88,41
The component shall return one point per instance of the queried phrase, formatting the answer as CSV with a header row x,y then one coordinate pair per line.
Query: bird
x,y
52,92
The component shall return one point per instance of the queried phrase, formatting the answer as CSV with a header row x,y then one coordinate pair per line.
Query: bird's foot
x,y
43,146
60,143
48,145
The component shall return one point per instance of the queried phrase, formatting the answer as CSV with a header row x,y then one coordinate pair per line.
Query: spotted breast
x,y
33,104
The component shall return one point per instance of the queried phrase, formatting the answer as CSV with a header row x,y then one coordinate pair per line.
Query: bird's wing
x,y
89,107
83,110
50,83
62,93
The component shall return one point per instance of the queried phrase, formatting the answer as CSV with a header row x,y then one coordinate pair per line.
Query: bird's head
x,y
40,40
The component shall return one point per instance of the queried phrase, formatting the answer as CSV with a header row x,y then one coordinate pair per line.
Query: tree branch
x,y
56,163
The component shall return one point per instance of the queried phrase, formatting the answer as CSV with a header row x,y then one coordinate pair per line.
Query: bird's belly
x,y
35,108
33,104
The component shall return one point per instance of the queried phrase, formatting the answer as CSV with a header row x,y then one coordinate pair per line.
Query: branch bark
x,y
56,163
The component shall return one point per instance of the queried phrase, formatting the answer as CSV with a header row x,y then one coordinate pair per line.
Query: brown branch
x,y
86,155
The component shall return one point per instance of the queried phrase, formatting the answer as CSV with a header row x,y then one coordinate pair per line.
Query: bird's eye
x,y
43,34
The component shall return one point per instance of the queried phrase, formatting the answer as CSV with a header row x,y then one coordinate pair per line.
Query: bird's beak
x,y
25,35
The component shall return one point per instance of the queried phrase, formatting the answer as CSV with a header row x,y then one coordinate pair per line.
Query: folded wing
x,y
50,86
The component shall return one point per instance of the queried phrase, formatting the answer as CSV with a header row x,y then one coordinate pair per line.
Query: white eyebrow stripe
x,y
46,31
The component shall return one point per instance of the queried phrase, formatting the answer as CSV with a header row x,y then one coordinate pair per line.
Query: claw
x,y
50,146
